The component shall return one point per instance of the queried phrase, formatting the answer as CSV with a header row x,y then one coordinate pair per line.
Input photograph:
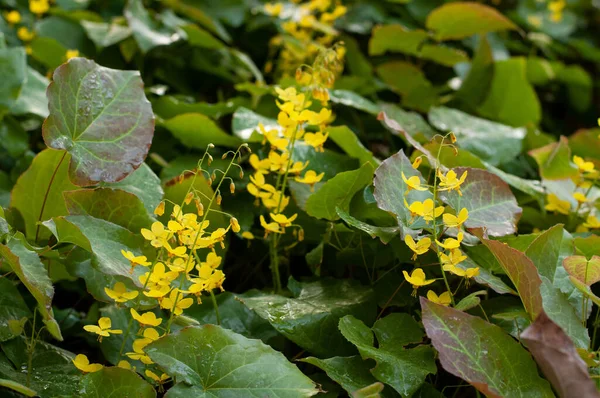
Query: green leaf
x,y
26,264
443,55
199,37
579,86
350,98
352,373
107,126
554,160
147,33
403,369
412,122
509,82
544,251
493,142
13,138
195,130
471,301
482,354
396,38
48,51
475,85
115,381
385,234
583,143
489,200
102,238
144,184
350,143
209,361
38,191
310,318
245,124
403,77
32,99
13,66
459,20
390,189
12,309
584,270
329,162
105,34
338,192
18,387
113,205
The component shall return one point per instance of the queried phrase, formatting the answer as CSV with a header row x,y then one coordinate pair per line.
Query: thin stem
x,y
30,350
37,230
595,329
216,307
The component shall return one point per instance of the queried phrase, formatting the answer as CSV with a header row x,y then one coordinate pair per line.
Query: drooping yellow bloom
x,y
297,167
579,197
12,17
160,380
282,220
417,162
467,273
289,95
273,137
276,201
557,205
451,243
452,221
420,247
450,182
25,34
146,319
311,178
71,54
426,210
316,140
82,363
176,303
582,165
157,234
248,235
271,227
260,165
413,182
135,260
120,294
103,329
443,299
138,346
160,209
125,365
39,7
591,222
452,258
417,279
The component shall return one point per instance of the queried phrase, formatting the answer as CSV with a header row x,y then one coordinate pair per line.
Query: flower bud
x,y
235,225
199,207
160,209
188,198
232,188
219,199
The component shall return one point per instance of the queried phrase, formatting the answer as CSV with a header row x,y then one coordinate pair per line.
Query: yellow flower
x,y
276,201
467,273
314,118
297,167
453,258
417,279
82,363
282,220
120,294
135,260
273,9
582,165
316,140
557,205
39,7
71,54
176,302
103,329
12,17
160,380
413,182
311,178
270,227
273,137
591,222
160,209
138,346
450,182
426,210
417,162
158,277
157,234
260,165
247,235
146,319
279,161
289,95
452,221
579,197
420,247
125,365
181,264
235,225
451,243
25,34
442,299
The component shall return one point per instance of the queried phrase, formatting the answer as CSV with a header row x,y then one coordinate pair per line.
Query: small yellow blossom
x,y
316,140
442,299
282,220
417,162
135,260
39,7
417,279
120,294
247,235
557,205
271,227
157,234
103,329
452,221
160,209
426,210
579,197
452,258
25,34
235,225
71,54
591,222
420,247
176,302
82,363
450,182
273,9
451,243
146,319
125,365
160,380
413,182
260,165
467,273
582,165
311,178
12,17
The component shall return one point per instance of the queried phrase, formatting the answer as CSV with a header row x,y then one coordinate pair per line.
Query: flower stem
x,y
216,307
37,230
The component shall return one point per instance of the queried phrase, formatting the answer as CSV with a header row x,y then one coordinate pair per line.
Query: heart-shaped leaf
x,y
100,116
584,270
115,382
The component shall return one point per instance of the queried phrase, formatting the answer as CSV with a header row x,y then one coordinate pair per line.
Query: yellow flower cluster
x,y
297,123
448,250
307,26
556,8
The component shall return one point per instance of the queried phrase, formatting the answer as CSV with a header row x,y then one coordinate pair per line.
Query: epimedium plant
x,y
319,198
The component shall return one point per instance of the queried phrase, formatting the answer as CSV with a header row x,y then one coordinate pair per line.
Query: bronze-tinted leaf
x,y
584,270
